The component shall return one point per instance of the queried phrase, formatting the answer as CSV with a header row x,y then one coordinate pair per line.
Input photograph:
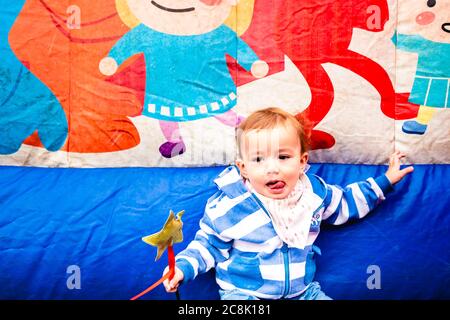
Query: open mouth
x,y
446,27
170,9
275,185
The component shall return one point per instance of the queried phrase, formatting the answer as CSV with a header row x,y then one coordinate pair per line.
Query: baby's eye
x,y
258,159
284,157
431,3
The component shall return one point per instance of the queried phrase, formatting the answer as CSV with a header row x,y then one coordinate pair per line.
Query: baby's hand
x,y
108,66
172,286
394,174
260,69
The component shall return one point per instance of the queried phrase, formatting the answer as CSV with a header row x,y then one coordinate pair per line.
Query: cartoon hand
x,y
394,174
172,285
394,37
108,66
260,69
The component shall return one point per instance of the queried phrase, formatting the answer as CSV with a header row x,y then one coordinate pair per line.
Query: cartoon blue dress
x,y
26,104
432,81
187,76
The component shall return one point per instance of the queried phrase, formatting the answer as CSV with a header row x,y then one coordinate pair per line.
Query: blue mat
x,y
94,219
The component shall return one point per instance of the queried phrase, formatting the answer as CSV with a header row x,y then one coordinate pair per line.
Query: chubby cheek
x,y
256,176
425,18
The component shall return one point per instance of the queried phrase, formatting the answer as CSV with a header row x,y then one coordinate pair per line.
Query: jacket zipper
x,y
285,251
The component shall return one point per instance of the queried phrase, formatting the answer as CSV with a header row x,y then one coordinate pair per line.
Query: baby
x,y
259,228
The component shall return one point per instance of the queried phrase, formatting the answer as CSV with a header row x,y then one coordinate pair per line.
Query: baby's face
x,y
272,160
428,18
182,17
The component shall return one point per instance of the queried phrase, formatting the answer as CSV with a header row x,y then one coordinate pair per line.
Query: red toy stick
x,y
169,275
171,233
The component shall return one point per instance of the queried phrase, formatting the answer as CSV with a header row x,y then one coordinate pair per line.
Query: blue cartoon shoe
x,y
414,127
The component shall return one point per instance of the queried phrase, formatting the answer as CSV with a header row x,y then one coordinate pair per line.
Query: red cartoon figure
x,y
61,42
314,32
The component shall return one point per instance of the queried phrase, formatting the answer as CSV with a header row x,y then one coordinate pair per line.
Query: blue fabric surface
x,y
51,219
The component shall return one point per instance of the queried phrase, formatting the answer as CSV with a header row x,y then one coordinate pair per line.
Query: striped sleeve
x,y
206,250
354,201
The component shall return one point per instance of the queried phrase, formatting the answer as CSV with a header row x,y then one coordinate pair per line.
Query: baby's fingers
x,y
394,159
169,286
174,284
406,170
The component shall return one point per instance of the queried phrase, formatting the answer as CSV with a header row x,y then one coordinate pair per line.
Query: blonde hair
x,y
239,19
270,118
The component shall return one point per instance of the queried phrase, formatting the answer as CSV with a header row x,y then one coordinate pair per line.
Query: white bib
x,y
291,216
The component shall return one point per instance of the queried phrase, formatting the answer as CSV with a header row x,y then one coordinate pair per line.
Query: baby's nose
x,y
272,166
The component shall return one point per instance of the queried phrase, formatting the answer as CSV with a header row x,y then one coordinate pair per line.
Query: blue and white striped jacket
x,y
237,238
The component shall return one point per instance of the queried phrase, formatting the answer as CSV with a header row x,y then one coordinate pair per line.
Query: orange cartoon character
x,y
61,42
27,106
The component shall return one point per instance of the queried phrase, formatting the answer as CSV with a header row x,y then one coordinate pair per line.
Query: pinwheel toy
x,y
164,239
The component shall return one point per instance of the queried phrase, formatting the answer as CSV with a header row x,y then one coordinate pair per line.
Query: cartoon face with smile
x,y
428,18
191,16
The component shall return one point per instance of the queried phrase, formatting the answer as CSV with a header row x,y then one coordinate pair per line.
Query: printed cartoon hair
x,y
241,16
270,118
125,14
238,20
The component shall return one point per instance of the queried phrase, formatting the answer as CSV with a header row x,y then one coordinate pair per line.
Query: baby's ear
x,y
240,164
304,158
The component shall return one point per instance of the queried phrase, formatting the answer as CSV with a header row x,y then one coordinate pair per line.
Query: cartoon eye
x,y
431,3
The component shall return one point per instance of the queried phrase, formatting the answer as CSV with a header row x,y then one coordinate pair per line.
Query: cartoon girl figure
x,y
428,25
185,44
